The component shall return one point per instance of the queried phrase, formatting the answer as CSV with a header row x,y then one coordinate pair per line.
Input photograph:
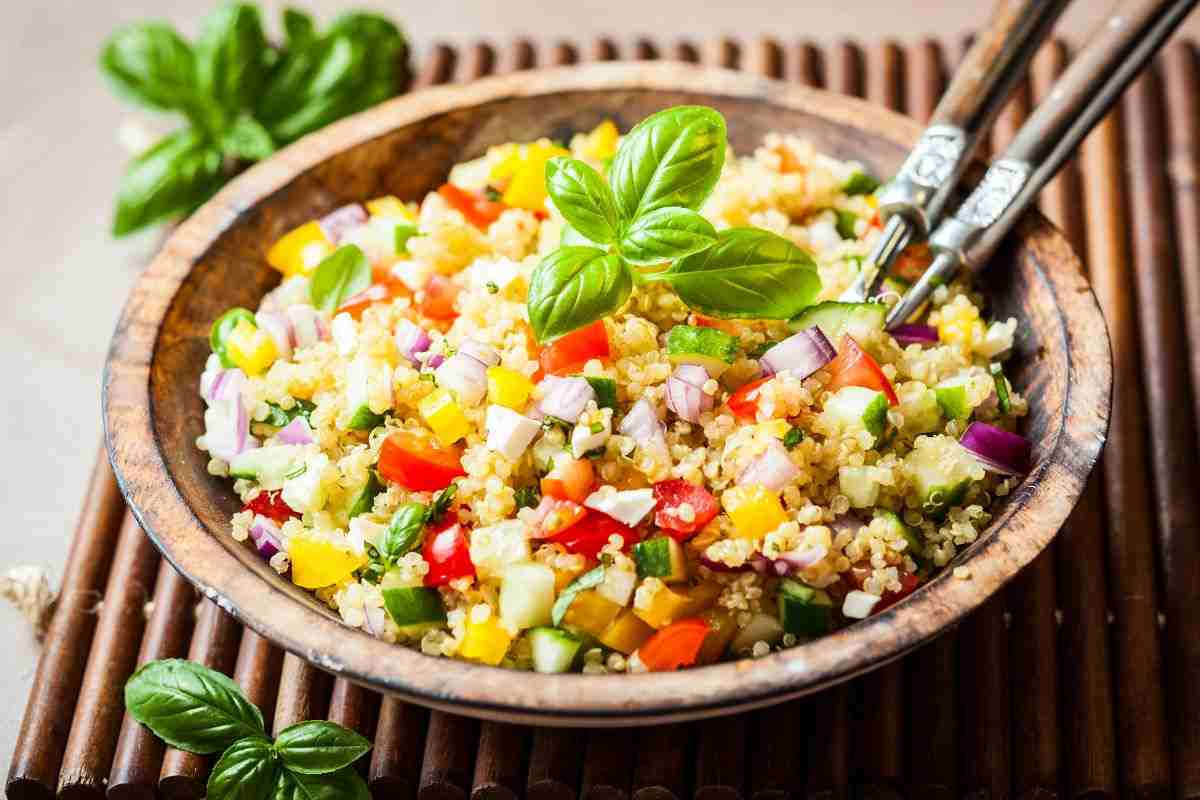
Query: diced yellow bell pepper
x,y
724,627
591,612
444,416
522,171
390,206
602,141
507,387
670,605
251,349
505,159
626,633
754,510
299,251
486,642
316,563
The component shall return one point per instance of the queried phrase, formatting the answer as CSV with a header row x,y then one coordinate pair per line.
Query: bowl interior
x,y
406,148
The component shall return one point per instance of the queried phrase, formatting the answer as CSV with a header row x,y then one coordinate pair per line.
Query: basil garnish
x,y
583,197
345,784
279,417
344,273
173,177
247,770
231,56
317,748
666,234
571,237
150,64
574,286
405,531
588,580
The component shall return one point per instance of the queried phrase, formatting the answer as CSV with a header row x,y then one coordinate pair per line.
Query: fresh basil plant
x,y
646,215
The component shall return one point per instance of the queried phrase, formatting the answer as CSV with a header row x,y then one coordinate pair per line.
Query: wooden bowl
x,y
153,412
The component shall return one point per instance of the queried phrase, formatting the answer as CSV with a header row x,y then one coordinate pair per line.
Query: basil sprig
x,y
197,709
647,214
342,274
241,98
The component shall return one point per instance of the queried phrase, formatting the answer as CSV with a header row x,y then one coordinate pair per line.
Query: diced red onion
x,y
279,327
480,352
375,620
411,339
308,327
642,423
464,375
802,354
909,333
799,560
846,522
755,563
210,382
227,429
266,537
773,468
565,398
338,221
291,292
436,360
685,392
997,449
295,432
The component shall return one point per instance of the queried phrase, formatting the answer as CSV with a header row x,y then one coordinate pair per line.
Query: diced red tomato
x,y
569,353
478,210
533,348
271,505
675,646
853,367
913,261
554,515
355,305
671,494
908,585
448,554
418,463
438,297
570,479
744,402
588,536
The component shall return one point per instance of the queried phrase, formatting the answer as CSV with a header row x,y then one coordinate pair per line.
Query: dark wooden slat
x,y
685,51
33,771
984,755
214,644
437,67
764,56
257,671
555,763
844,69
1088,749
356,708
303,694
602,50
446,769
644,50
1138,699
804,64
477,61
1176,482
720,52
721,758
399,745
1179,557
89,751
827,775
606,773
139,753
562,53
501,763
660,771
520,54
776,754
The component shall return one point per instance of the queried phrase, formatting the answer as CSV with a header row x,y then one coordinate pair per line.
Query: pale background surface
x,y
65,278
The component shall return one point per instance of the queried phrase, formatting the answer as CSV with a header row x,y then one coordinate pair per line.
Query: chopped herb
x,y
1003,390
606,392
404,232
860,183
492,287
595,453
428,376
588,580
793,437
297,472
551,421
846,221
441,503
527,497
491,193
279,416
596,427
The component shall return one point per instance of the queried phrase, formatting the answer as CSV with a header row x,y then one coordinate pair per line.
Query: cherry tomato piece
x,y
853,367
356,304
438,298
554,515
590,534
478,210
570,479
675,646
569,353
418,463
673,493
908,585
743,404
448,554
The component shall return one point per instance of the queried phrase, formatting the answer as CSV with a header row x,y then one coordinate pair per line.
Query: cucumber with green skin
x,y
857,406
837,319
952,399
915,546
661,557
941,474
415,609
710,348
803,610
554,650
357,377
267,465
859,486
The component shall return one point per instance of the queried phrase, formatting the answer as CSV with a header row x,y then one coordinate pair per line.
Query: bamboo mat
x,y
1080,680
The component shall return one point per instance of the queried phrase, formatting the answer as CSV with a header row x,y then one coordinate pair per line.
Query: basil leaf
x,y
247,770
385,65
247,139
605,389
344,272
574,286
317,747
170,179
583,198
231,56
405,530
573,238
860,183
221,328
748,274
149,63
299,28
191,707
404,232
527,497
845,223
666,234
672,158
588,580
345,784
279,417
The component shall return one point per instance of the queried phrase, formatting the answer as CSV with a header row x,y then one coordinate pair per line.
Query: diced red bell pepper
x,y
908,585
569,353
478,210
677,645
913,261
554,515
590,534
448,554
270,504
853,367
438,298
569,479
743,404
673,493
419,463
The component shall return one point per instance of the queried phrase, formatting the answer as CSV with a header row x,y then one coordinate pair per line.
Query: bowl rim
x,y
1015,537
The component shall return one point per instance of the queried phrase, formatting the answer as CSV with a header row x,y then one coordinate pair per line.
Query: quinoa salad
x,y
596,406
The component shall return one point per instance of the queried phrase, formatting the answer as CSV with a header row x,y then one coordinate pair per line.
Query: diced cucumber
x,y
916,547
893,283
941,472
358,379
618,585
364,501
710,348
606,391
837,319
267,465
952,398
1003,389
853,407
858,485
526,595
859,183
803,610
415,609
846,220
920,410
661,557
554,649
304,489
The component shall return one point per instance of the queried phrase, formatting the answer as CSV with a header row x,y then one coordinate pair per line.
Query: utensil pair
x,y
912,204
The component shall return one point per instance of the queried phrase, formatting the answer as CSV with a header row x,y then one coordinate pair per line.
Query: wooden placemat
x,y
1079,680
